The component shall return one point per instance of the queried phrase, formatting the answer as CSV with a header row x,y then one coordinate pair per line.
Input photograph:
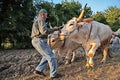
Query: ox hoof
x,y
92,65
89,65
72,60
103,61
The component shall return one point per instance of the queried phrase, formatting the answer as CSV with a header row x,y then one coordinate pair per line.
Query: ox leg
x,y
91,53
87,58
105,50
87,63
68,57
73,56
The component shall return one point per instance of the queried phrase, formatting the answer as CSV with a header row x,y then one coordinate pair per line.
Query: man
x,y
39,35
115,43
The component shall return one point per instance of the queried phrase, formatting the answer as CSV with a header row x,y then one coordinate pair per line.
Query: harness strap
x,y
89,32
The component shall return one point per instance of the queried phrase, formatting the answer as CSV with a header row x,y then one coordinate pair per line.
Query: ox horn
x,y
81,14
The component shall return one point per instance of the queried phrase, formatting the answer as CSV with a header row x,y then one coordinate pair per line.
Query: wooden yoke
x,y
87,20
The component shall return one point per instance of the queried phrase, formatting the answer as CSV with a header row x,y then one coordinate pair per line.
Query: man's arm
x,y
44,30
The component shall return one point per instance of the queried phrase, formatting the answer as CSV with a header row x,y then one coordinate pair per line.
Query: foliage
x,y
67,10
99,16
88,12
112,15
16,21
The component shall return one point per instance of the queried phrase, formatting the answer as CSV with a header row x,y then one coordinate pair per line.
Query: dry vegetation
x,y
20,64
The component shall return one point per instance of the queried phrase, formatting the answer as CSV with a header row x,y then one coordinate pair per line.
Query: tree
x,y
99,16
16,21
112,15
67,10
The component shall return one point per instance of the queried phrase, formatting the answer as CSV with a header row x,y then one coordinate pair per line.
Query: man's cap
x,y
42,11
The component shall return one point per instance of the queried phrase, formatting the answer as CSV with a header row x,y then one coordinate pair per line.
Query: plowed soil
x,y
20,64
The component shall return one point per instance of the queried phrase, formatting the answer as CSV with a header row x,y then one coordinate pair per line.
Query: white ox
x,y
64,47
91,34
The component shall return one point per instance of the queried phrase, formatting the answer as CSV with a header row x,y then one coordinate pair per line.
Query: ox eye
x,y
71,24
53,40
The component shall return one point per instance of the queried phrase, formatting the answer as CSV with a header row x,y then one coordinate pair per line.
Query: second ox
x,y
64,47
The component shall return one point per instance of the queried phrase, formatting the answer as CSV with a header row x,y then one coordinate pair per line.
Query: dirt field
x,y
20,64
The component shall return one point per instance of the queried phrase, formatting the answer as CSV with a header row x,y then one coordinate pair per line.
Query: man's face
x,y
113,36
43,15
